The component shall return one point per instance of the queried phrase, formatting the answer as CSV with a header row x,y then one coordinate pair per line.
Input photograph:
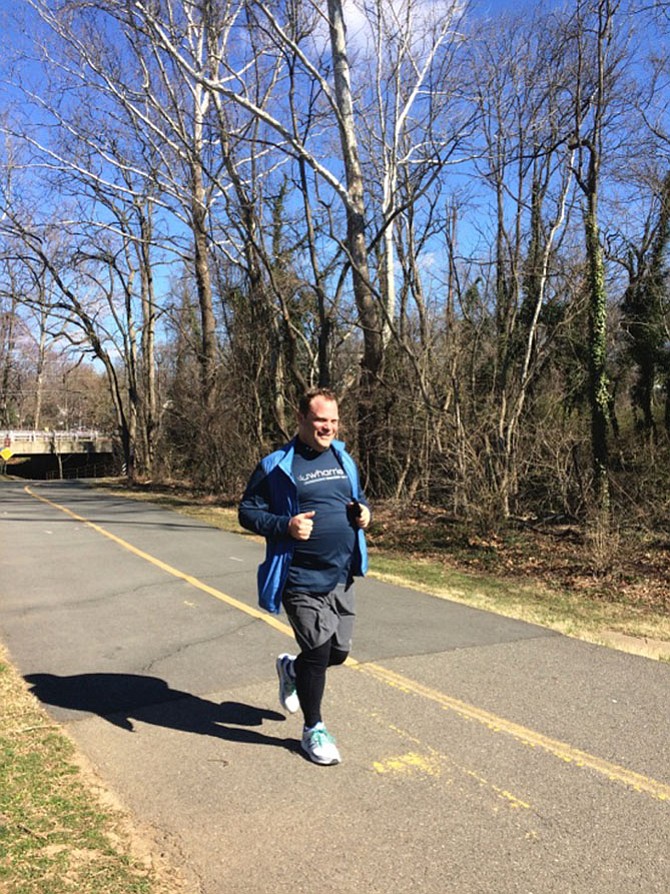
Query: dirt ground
x,y
624,567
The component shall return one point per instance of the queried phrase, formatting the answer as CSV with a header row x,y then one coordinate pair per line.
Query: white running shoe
x,y
288,697
320,746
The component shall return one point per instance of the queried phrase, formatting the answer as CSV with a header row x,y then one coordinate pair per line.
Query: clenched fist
x,y
300,526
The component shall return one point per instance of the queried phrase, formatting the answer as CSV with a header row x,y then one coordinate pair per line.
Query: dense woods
x,y
456,216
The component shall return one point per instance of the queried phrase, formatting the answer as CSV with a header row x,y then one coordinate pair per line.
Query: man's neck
x,y
306,450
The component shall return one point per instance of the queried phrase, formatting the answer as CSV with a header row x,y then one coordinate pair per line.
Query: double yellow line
x,y
637,781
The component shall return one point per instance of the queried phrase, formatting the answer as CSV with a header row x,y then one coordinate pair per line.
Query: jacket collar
x,y
286,462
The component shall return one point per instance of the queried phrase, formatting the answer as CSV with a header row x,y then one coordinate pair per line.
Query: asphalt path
x,y
480,754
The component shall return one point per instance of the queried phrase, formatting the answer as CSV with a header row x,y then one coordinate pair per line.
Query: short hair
x,y
308,397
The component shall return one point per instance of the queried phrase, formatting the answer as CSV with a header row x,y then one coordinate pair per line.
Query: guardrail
x,y
47,434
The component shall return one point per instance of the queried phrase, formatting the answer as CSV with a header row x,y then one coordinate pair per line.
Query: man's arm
x,y
254,512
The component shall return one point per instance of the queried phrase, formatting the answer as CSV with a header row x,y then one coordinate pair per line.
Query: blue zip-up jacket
x,y
270,501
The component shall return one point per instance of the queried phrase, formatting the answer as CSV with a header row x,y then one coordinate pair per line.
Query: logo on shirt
x,y
321,475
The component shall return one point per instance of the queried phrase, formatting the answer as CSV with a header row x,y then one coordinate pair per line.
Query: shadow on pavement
x,y
120,698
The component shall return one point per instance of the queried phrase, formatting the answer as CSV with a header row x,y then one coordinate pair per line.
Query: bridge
x,y
28,443
56,454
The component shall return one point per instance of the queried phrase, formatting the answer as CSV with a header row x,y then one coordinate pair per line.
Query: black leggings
x,y
310,677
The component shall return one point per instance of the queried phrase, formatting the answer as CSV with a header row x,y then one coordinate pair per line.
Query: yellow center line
x,y
170,569
637,781
415,762
561,750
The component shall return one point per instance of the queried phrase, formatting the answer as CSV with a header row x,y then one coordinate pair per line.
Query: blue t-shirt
x,y
323,561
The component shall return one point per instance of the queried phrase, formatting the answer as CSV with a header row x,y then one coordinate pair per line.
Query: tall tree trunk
x,y
204,287
356,239
597,349
589,182
41,354
150,397
368,311
7,342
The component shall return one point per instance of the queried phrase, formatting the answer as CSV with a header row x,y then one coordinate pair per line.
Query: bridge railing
x,y
78,434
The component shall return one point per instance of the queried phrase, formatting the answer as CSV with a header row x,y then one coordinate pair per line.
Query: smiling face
x,y
318,426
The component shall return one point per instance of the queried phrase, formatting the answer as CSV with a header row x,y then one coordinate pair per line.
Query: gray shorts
x,y
316,617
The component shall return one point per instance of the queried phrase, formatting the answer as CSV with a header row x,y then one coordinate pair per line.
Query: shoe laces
x,y
321,736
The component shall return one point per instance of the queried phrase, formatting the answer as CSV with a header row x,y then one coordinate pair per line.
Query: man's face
x,y
318,428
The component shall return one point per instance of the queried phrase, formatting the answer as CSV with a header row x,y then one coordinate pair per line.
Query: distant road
x,y
481,755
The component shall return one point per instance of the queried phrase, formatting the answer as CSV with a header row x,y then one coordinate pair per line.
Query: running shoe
x,y
288,697
319,746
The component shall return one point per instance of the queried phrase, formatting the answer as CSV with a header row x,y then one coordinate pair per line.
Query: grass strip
x,y
56,835
625,627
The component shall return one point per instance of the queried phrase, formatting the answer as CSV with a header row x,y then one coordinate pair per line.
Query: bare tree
x,y
164,116
520,77
229,83
9,301
597,59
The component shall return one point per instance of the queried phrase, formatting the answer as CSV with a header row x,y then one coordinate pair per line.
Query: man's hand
x,y
300,526
362,514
